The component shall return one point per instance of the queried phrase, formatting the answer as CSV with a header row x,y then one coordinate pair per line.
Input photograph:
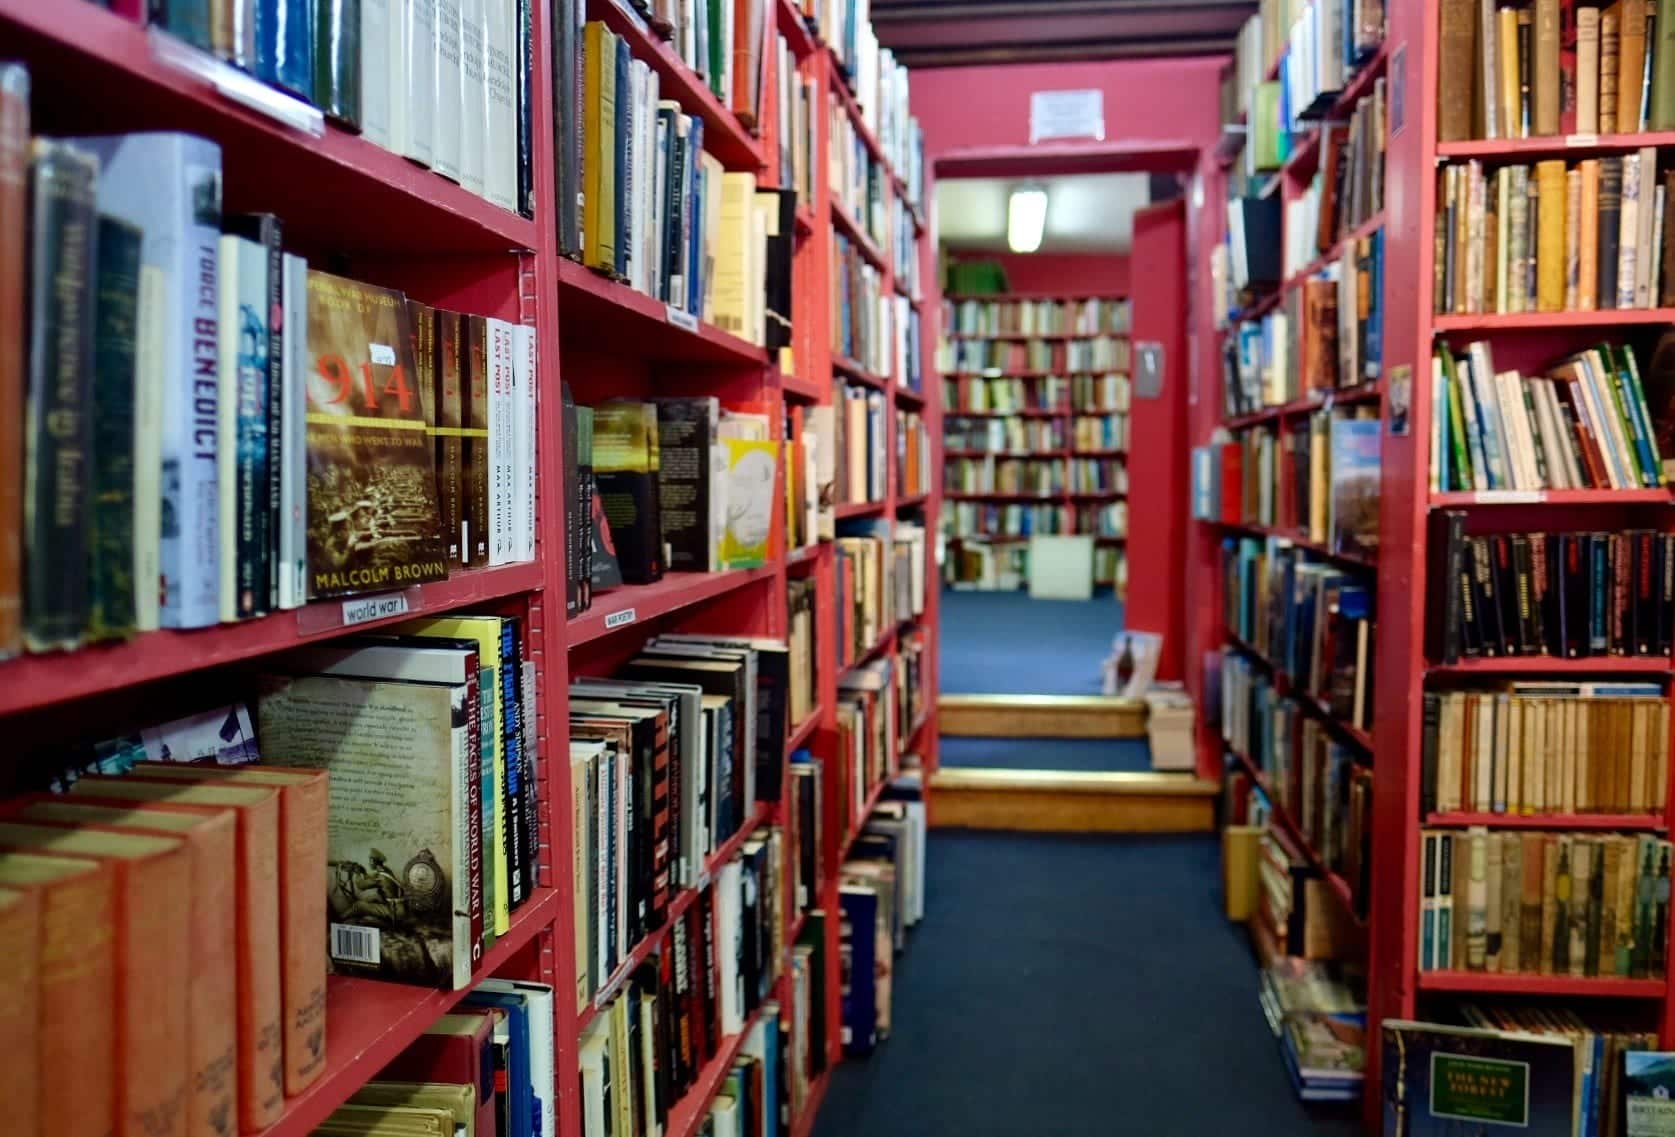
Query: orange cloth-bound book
x,y
153,932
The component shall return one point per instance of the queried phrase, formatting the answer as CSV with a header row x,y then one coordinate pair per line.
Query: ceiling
x,y
1086,213
944,33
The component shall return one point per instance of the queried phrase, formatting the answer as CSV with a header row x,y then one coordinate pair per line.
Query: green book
x,y
110,579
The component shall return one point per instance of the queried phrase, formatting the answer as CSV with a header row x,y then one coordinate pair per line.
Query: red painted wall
x,y
1059,274
1145,100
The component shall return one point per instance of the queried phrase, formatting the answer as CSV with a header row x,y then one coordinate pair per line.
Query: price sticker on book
x,y
365,609
619,619
681,318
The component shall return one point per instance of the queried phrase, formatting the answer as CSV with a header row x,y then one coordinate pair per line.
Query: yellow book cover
x,y
1550,258
599,147
752,466
731,274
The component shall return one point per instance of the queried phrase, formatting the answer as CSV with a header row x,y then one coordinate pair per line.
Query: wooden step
x,y
1059,801
1041,716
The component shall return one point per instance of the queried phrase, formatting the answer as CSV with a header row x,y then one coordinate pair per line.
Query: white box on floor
x,y
1169,726
1061,568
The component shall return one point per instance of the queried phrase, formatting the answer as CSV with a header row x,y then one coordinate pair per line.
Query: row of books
x,y
909,340
796,122
880,583
1318,1014
712,981
913,455
1084,393
1347,191
910,678
1553,237
1584,1077
369,444
881,894
1586,424
977,566
1317,477
1299,912
1321,783
1021,317
857,179
1035,477
1552,68
1098,475
988,519
878,84
714,466
1094,353
668,762
1327,336
800,640
904,247
486,1068
1110,567
1325,46
661,212
1546,747
861,439
864,314
446,85
1310,620
1542,903
1566,595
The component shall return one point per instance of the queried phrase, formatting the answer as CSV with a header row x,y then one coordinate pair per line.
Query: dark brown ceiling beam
x,y
967,56
888,12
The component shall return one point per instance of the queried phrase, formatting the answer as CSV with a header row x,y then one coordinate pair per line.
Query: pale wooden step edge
x,y
1041,716
1070,802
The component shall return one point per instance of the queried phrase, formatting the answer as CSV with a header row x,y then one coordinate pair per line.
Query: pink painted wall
x,y
1170,100
1059,274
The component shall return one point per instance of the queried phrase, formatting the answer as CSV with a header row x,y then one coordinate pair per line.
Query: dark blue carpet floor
x,y
1072,987
1006,643
1082,755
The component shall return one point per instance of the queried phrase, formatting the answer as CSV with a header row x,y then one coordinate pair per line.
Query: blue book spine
x,y
1598,577
285,45
860,995
186,19
170,186
490,792
519,1079
696,271
1651,476
1373,365
624,162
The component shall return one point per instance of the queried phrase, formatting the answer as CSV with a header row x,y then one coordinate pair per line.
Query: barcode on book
x,y
356,945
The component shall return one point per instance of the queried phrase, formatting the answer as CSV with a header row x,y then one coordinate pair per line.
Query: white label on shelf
x,y
355,944
1511,497
237,86
619,619
682,318
364,609
382,354
1581,140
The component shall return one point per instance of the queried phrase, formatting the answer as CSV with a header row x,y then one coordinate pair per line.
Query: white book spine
x,y
420,50
473,148
226,427
500,169
293,482
1628,232
149,381
524,422
449,90
1645,262
375,71
395,71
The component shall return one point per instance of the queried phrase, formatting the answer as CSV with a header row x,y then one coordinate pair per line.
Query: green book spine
x,y
1663,69
57,426
111,542
337,60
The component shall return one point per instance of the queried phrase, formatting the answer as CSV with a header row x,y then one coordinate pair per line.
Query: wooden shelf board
x,y
871,803
1553,665
1339,886
1367,561
1315,401
849,509
804,731
806,389
912,501
1553,145
1028,373
1463,499
32,681
1630,821
636,604
1289,688
687,1115
1028,412
806,553
1024,337
852,369
1330,257
880,647
600,310
1553,321
795,30
1501,983
910,398
369,1022
859,237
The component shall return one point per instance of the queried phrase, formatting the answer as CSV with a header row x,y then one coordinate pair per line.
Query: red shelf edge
x,y
579,278
1500,982
647,602
1461,820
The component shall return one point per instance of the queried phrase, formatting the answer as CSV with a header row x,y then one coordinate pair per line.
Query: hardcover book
x,y
1355,484
627,462
111,611
1442,1080
373,520
396,841
14,238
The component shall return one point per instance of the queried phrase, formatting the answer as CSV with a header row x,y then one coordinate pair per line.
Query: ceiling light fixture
x,y
1026,219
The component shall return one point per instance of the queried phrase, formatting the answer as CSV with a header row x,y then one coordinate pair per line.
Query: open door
x,y
1158,458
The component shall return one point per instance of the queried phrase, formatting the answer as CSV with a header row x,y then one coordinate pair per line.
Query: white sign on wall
x,y
1066,114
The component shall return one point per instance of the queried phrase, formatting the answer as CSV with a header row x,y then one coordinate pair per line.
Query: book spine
x,y
1610,47
452,132
337,59
270,519
111,524
291,549
1611,186
477,457
1663,69
500,171
518,852
523,45
471,797
58,424
450,439
285,43
14,247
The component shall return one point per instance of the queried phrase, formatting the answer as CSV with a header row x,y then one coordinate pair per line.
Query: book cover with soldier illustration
x,y
373,520
397,846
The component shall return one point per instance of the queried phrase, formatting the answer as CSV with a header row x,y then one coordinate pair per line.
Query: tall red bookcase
x,y
371,214
1397,987
1061,413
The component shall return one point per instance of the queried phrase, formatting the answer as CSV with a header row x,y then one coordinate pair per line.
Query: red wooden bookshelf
x,y
953,379
93,71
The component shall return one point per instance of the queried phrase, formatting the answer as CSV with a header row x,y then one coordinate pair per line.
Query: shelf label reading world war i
x,y
368,608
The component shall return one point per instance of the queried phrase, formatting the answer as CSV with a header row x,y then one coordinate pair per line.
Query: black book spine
x,y
1506,591
58,430
1618,616
685,443
1428,755
511,743
1599,591
1573,597
111,539
1610,221
1541,593
531,790
337,61
1666,593
574,520
1645,591
1487,601
1523,595
526,108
